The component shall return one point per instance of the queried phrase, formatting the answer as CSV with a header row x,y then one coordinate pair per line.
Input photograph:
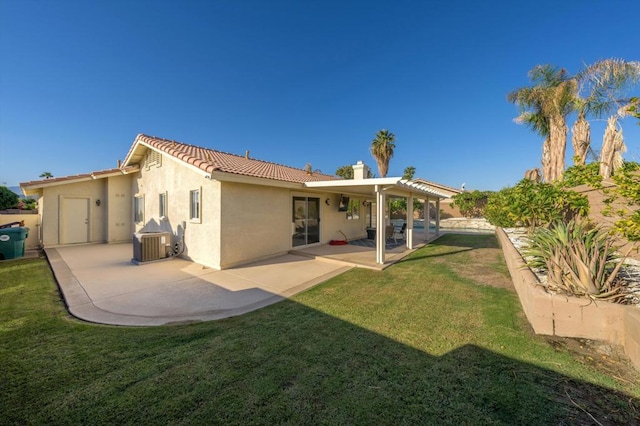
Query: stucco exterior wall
x,y
255,222
50,208
333,221
201,237
118,205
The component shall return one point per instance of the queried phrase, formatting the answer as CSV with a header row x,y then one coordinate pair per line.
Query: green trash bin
x,y
12,242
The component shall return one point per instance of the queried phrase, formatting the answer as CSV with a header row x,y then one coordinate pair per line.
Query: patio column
x,y
380,225
409,230
437,216
426,219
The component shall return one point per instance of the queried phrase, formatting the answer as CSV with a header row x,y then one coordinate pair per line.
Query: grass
x,y
425,341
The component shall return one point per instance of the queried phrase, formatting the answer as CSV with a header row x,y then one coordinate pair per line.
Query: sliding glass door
x,y
306,221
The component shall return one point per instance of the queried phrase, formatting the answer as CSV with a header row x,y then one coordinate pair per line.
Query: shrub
x,y
583,174
627,188
471,203
579,261
534,204
8,198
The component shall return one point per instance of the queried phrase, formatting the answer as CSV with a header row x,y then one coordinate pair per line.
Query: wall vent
x,y
150,245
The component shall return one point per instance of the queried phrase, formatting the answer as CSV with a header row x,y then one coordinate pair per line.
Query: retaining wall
x,y
558,315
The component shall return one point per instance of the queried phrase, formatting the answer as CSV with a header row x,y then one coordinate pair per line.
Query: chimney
x,y
246,154
119,163
360,170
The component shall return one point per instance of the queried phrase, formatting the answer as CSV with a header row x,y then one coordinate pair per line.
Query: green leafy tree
x,y
8,198
582,174
409,172
627,189
46,175
534,204
544,107
345,172
471,203
382,147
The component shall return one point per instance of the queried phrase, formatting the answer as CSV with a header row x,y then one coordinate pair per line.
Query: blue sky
x,y
293,82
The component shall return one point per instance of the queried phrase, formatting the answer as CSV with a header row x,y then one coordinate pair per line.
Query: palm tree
x,y
382,150
605,85
409,172
544,107
581,138
46,175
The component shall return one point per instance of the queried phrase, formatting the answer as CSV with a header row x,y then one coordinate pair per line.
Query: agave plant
x,y
579,260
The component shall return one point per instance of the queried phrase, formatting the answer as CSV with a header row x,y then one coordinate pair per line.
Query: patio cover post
x,y
380,224
426,219
437,216
409,230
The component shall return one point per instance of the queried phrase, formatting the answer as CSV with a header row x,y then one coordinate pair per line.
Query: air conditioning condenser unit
x,y
150,245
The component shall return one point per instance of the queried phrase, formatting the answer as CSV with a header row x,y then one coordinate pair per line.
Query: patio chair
x,y
390,233
401,233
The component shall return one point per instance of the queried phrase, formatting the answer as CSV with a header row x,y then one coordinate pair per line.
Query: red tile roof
x,y
83,176
210,161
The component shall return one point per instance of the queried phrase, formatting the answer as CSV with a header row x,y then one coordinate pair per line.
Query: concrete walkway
x,y
100,284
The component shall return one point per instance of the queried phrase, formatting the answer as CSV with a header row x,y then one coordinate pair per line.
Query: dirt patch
x,y
483,265
607,358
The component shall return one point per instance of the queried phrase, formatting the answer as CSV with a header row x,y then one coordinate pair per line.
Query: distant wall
x,y
597,205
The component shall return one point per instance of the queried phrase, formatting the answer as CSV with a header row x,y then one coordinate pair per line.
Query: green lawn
x,y
427,340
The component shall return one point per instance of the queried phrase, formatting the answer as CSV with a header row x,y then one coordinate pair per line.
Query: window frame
x,y
195,205
138,209
162,205
353,209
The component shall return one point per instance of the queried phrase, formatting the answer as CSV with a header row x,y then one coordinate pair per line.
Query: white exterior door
x,y
74,220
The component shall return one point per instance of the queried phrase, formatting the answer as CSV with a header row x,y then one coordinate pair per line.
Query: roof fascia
x,y
252,180
92,176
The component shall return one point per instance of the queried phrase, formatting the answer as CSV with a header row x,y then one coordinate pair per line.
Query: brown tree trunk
x,y
546,159
580,139
612,148
557,147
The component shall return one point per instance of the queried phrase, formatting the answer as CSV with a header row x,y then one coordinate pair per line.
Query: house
x,y
224,209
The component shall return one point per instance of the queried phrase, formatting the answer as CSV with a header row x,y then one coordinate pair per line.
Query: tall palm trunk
x,y
612,148
580,139
557,147
546,159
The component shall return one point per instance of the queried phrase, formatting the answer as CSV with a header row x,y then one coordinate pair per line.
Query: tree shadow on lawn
x,y
322,369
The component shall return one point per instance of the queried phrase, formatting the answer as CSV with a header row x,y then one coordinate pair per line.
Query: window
x,y
194,205
138,209
162,205
353,210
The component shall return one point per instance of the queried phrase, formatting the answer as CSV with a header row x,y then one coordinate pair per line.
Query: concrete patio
x,y
100,284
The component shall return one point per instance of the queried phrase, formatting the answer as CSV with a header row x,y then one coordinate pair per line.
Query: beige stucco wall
x,y
49,206
334,221
119,206
255,222
31,221
176,180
